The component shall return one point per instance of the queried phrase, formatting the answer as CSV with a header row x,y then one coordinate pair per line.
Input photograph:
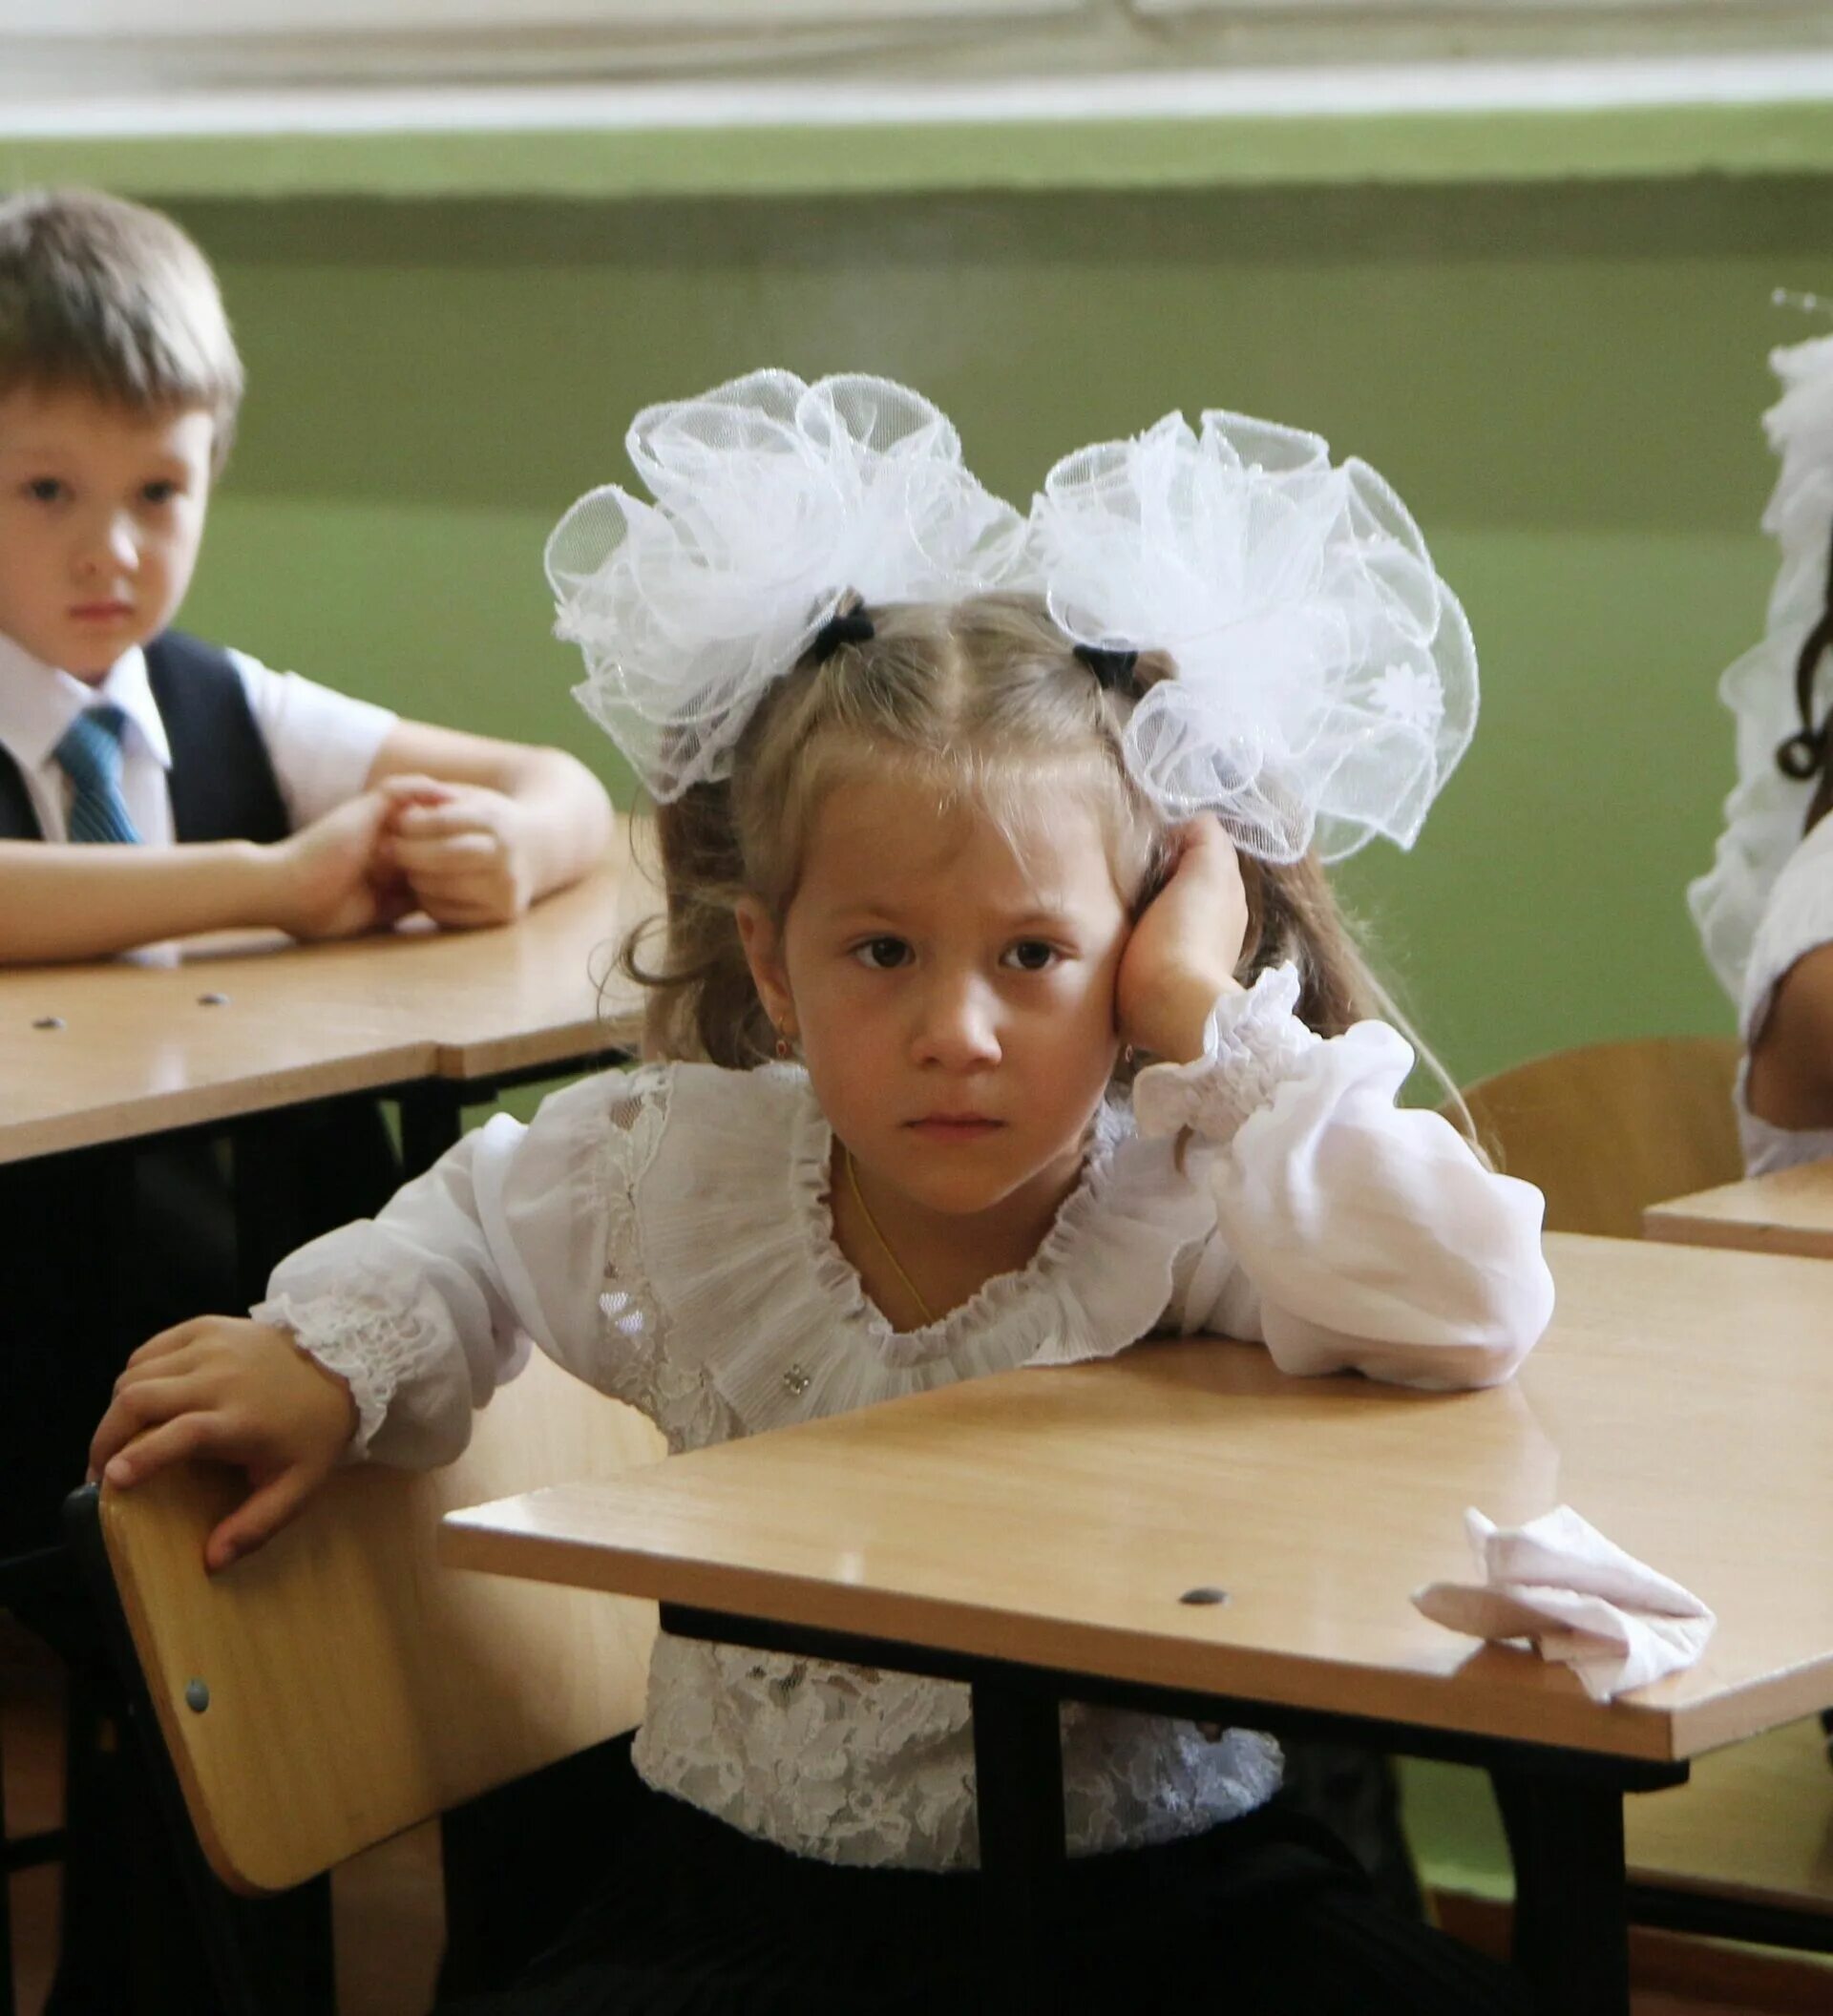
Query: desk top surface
x,y
116,1050
1788,1211
1683,1401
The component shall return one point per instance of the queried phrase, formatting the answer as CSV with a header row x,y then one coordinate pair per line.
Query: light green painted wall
x,y
1563,379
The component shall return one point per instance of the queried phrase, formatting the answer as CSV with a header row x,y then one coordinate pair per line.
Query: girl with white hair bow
x,y
1765,907
1021,1026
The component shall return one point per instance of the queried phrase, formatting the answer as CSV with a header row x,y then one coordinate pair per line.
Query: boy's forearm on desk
x,y
73,902
562,816
569,816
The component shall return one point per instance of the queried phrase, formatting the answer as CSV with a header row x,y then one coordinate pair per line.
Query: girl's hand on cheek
x,y
1186,946
236,1393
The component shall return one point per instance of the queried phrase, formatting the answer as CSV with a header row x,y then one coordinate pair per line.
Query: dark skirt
x,y
1266,1916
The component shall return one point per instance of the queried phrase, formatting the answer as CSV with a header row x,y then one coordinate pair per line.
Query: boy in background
x,y
290,805
153,786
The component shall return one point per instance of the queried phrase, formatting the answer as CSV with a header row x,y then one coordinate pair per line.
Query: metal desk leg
x,y
1018,1768
1571,1922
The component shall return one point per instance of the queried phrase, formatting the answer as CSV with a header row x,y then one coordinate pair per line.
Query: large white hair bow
x,y
772,498
1326,678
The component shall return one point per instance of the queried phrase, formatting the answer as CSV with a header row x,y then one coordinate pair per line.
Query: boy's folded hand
x,y
334,877
238,1392
464,849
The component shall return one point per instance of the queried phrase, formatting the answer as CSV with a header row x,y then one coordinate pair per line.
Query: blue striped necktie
x,y
91,754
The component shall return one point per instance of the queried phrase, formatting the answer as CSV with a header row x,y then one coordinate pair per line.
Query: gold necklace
x,y
884,1245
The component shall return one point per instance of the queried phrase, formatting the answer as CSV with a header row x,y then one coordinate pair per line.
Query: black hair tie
x,y
854,627
1113,670
1804,752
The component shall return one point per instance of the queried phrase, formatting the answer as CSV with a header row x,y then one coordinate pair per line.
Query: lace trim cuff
x,y
1252,1043
368,1345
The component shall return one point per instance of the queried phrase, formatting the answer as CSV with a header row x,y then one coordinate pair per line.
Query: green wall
x,y
1563,379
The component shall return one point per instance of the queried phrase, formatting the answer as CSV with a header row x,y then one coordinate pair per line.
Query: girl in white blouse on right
x,y
952,849
1765,907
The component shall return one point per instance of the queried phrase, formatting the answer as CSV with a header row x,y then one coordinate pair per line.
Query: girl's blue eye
x,y
882,954
1032,956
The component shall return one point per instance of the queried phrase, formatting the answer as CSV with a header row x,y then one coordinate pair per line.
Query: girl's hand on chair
x,y
463,849
234,1392
1184,948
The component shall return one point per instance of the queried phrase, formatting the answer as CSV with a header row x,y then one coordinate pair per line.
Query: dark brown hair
x,y
1804,753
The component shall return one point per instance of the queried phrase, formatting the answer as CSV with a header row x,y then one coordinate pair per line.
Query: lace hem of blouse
x,y
849,1765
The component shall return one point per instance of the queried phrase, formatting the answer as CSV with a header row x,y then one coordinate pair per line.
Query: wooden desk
x,y
1033,1534
1790,1212
116,1052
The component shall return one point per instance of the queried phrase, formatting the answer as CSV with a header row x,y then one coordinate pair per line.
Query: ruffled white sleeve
x,y
1352,1234
426,1307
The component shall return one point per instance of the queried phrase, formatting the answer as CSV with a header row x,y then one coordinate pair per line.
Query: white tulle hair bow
x,y
772,499
1326,678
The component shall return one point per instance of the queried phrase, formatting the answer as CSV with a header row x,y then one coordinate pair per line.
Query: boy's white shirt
x,y
667,1237
321,743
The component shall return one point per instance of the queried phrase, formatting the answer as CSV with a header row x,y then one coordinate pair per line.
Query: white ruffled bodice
x,y
666,1235
765,1311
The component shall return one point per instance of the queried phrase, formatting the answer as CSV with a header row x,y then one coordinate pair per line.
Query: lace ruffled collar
x,y
811,1187
750,1227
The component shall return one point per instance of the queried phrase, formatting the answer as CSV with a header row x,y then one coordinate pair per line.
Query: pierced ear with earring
x,y
785,1042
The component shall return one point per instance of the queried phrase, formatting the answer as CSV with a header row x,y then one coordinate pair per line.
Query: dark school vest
x,y
67,1323
221,778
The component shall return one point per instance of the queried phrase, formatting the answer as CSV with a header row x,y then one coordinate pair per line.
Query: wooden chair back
x,y
1607,1129
341,1686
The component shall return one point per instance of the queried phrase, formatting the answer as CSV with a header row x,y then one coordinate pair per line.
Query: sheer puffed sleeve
x,y
426,1307
1352,1234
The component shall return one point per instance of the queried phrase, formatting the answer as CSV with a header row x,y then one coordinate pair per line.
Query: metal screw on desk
x,y
1203,1596
49,1021
213,1000
197,1695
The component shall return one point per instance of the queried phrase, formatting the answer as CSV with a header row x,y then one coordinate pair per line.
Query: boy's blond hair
x,y
106,297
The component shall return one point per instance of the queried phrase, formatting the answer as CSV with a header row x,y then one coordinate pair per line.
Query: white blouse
x,y
666,1235
1798,916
